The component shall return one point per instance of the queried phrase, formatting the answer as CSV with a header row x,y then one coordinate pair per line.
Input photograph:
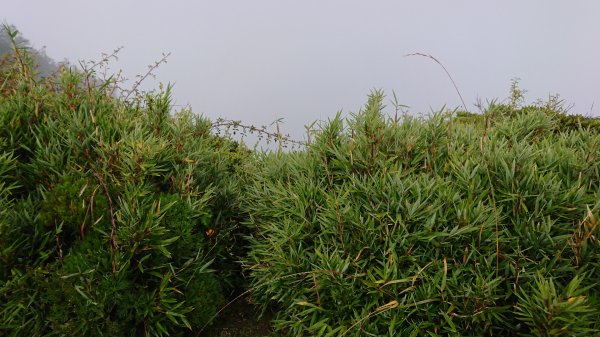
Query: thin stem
x,y
447,73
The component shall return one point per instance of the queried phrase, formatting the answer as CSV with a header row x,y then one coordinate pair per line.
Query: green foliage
x,y
7,185
114,214
549,313
430,227
553,108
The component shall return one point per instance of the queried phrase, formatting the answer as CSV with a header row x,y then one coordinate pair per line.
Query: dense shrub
x,y
119,218
433,227
114,214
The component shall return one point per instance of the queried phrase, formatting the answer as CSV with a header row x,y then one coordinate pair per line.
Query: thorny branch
x,y
262,130
149,73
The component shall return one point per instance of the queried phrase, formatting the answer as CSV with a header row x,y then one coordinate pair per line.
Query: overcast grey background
x,y
305,60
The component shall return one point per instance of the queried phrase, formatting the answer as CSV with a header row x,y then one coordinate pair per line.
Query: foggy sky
x,y
305,60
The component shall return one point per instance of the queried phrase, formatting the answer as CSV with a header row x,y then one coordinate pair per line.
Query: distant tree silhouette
x,y
45,65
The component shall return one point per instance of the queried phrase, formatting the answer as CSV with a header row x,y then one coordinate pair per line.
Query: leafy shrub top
x,y
112,210
432,227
